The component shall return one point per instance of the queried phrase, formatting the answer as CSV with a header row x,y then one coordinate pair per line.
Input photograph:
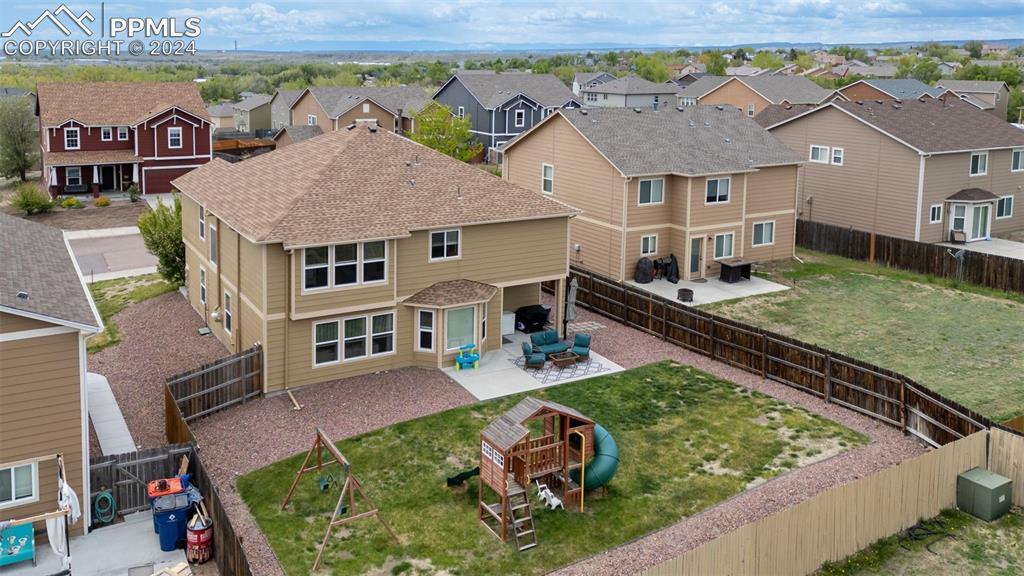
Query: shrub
x,y
69,202
30,199
102,202
161,232
133,193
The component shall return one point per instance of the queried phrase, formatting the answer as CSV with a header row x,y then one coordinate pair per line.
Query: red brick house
x,y
103,136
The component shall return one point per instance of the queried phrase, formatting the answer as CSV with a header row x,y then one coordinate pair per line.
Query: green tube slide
x,y
602,467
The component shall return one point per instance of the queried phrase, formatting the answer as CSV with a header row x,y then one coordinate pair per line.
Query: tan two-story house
x,y
335,108
703,183
359,251
752,94
927,170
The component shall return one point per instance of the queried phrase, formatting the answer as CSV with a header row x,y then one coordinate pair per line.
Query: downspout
x,y
920,197
622,243
238,279
287,323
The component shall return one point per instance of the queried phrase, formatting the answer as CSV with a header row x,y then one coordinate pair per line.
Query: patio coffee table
x,y
564,359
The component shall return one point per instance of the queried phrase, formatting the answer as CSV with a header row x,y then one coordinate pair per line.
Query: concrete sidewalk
x,y
106,257
106,417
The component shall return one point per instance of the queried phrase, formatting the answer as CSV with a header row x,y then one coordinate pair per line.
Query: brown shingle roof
x,y
77,157
452,293
973,195
358,184
508,429
775,113
115,103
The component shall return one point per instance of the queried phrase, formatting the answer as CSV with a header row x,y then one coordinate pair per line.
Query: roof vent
x,y
416,159
728,140
350,126
878,101
373,128
583,112
22,295
898,101
788,106
897,106
719,107
458,191
680,108
692,124
707,124
637,110
860,102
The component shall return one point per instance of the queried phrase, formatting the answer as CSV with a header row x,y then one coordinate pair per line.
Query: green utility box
x,y
984,494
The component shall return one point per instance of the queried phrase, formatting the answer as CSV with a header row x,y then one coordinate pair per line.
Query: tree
x,y
651,68
1014,105
161,232
974,47
926,71
850,53
437,128
18,139
739,55
768,60
714,61
805,61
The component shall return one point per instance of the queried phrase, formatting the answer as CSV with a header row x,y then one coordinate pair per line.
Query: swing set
x,y
345,509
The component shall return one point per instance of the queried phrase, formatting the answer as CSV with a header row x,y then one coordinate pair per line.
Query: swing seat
x,y
325,481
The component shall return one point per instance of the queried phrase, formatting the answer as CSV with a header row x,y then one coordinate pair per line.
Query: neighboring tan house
x,y
288,135
702,183
380,253
869,71
46,314
281,107
222,115
746,70
751,94
888,89
103,136
687,79
584,80
252,114
629,92
991,96
916,169
502,106
392,108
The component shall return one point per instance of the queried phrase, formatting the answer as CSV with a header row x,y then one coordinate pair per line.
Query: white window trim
x,y
181,138
366,107
202,285
229,313
931,210
311,120
461,112
753,235
970,165
519,118
1020,153
67,175
996,211
483,323
332,263
810,154
717,195
832,156
652,181
432,330
750,110
953,218
363,261
370,334
337,342
202,224
732,246
474,324
213,256
122,133
367,337
430,244
15,502
543,179
344,339
78,138
106,133
643,240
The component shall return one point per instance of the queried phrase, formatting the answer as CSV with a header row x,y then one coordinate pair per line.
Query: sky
x,y
475,24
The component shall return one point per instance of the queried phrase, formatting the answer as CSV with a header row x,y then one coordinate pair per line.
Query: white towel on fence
x,y
66,500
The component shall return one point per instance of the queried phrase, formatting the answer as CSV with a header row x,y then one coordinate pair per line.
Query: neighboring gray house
x,y
222,115
583,80
253,113
500,106
988,95
629,92
281,107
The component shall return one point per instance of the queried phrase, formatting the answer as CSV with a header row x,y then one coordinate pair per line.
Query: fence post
x,y
764,355
903,405
664,320
625,306
713,324
828,378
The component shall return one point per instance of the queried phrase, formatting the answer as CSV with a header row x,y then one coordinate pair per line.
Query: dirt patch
x,y
120,214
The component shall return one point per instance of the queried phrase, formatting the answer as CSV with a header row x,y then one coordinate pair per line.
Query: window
x,y
935,214
837,156
959,217
213,243
106,133
122,133
483,323
520,118
202,285
1004,207
819,154
459,328
425,338
314,267
366,108
382,341
311,120
764,233
374,261
325,345
750,110
74,176
346,264
227,313
604,96
444,244
547,178
656,99
355,338
651,191
174,137
202,223
723,245
462,112
18,485
591,96
979,163
1017,161
717,190
648,244
71,140
689,101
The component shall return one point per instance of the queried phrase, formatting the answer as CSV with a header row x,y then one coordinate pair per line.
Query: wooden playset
x,y
350,488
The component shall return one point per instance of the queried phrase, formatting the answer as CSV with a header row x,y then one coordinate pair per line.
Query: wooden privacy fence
x,y
228,553
1006,457
988,270
211,388
840,521
126,475
871,390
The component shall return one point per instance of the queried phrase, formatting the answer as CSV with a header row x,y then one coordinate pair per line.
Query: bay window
x,y
459,325
425,335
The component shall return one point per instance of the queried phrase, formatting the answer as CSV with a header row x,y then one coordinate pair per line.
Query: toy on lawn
x,y
350,488
467,357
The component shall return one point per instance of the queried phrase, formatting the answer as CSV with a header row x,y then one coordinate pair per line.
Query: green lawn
x,y
953,543
962,341
112,296
688,440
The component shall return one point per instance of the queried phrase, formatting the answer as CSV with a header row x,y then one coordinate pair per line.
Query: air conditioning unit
x,y
983,494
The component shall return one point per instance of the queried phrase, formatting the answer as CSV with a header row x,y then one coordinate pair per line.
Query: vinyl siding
x,y
653,214
385,119
738,94
277,279
14,323
600,248
704,215
864,91
306,105
331,300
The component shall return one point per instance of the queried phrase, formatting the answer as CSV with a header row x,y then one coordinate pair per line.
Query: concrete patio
x,y
994,246
499,375
713,290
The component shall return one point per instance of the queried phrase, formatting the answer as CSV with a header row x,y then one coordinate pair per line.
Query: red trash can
x,y
199,540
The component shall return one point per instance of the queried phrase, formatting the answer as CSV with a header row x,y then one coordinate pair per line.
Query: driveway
x,y
103,258
995,246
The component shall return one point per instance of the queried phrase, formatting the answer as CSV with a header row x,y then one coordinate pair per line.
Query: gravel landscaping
x,y
119,214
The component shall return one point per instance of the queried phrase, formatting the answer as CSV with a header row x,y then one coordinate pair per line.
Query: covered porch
x,y
91,172
970,215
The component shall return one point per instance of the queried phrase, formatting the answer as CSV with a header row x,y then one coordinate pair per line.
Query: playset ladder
x,y
521,516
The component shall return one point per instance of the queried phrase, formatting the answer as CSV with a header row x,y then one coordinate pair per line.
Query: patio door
x,y
106,177
696,247
980,222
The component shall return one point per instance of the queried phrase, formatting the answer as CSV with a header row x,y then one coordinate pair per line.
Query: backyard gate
x,y
211,388
126,475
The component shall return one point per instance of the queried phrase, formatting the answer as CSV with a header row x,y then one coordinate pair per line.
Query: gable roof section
x,y
901,88
632,85
776,113
986,86
115,103
299,132
37,260
221,110
253,102
337,100
449,293
353,185
775,89
582,78
492,89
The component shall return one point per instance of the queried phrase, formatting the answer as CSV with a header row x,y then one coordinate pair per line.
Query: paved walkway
x,y
118,256
995,246
107,420
713,290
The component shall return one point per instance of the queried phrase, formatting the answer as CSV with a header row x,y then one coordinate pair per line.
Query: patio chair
x,y
533,359
581,345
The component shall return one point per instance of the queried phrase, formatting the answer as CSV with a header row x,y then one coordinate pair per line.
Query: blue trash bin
x,y
170,517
